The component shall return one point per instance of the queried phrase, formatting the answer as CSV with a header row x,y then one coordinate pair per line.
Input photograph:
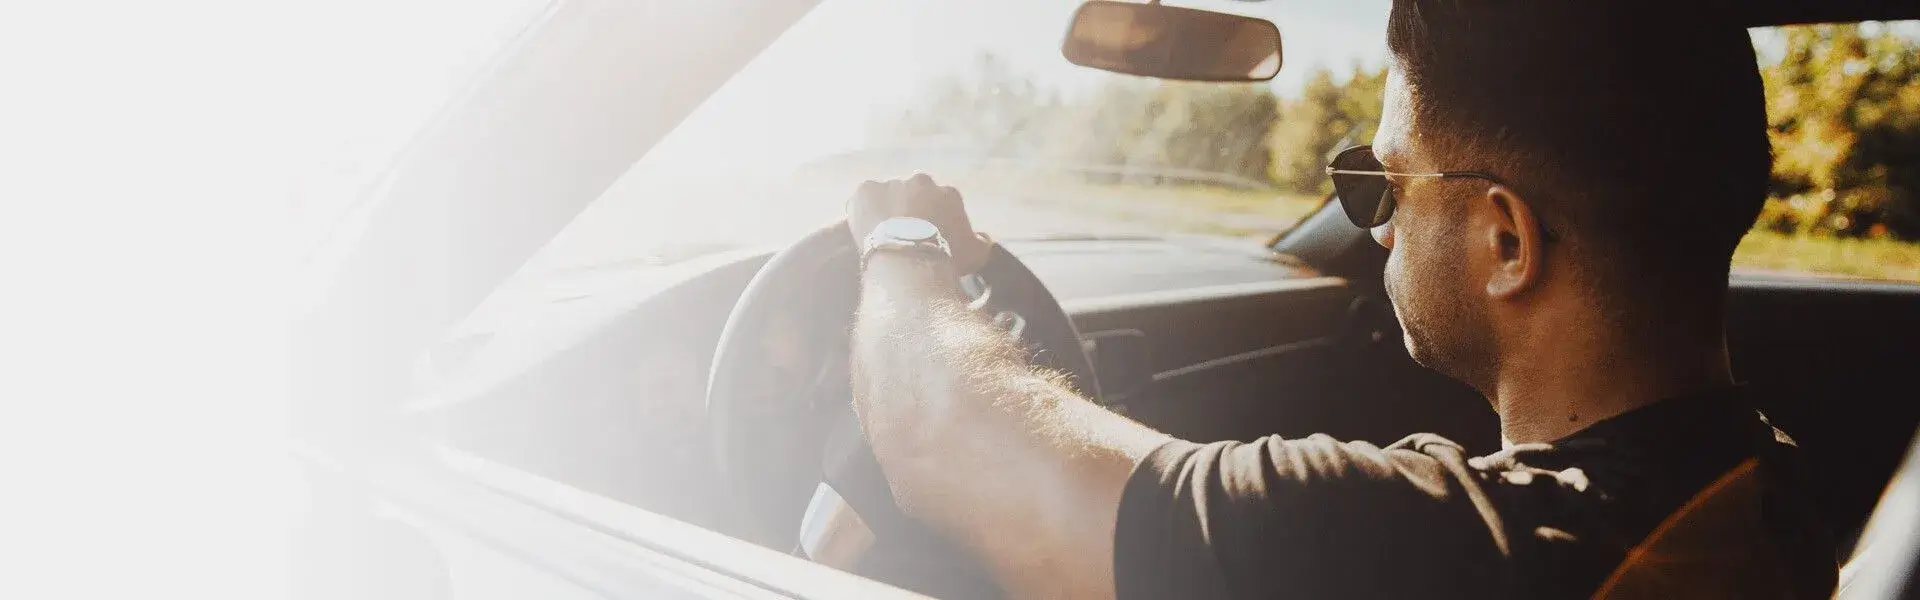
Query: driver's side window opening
x,y
1842,102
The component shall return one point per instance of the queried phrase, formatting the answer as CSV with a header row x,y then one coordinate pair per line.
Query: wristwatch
x,y
905,234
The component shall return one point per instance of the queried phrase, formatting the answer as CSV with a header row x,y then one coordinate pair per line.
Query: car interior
x,y
1220,345
1202,341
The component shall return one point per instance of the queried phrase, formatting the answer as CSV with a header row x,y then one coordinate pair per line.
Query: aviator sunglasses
x,y
1361,182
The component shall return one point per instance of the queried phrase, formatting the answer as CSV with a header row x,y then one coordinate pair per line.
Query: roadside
x,y
1883,259
1246,213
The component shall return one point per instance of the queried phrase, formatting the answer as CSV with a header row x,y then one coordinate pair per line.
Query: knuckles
x,y
903,197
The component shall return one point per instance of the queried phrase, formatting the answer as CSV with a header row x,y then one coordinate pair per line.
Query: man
x,y
1602,164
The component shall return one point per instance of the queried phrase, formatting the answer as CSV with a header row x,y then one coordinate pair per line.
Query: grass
x,y
1862,258
1185,209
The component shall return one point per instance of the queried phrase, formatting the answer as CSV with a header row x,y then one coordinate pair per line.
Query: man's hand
x,y
919,197
1003,458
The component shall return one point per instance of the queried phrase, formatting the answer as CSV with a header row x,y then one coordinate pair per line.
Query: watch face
x,y
901,228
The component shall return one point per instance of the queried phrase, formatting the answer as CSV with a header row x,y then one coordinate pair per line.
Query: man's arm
x,y
1031,477
1002,457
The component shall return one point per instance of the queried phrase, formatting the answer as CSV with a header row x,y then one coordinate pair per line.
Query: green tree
x,y
1326,117
1176,130
1103,127
1843,107
1215,128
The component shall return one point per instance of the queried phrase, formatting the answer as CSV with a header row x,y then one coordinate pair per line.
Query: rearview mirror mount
x,y
1171,42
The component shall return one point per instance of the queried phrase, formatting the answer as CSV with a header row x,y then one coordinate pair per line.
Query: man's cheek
x,y
1395,270
1393,277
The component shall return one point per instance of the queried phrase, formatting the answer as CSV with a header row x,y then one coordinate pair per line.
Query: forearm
x,y
1020,468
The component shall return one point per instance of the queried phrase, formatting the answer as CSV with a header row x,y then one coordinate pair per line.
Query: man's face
x,y
1428,272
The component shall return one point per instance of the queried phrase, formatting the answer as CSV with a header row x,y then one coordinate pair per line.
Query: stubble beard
x,y
1442,329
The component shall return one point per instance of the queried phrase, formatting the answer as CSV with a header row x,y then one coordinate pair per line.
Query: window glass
x,y
1844,106
976,93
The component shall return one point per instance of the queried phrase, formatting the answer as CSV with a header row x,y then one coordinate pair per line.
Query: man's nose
x,y
1383,234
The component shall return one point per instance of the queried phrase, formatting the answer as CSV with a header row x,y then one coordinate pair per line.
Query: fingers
x,y
948,194
905,192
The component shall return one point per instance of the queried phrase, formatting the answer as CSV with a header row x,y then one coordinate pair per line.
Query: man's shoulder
x,y
1700,493
1729,540
1312,516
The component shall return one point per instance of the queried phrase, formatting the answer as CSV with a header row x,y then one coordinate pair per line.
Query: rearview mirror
x,y
1172,42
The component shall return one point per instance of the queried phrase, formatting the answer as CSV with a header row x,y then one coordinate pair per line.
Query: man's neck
x,y
1554,385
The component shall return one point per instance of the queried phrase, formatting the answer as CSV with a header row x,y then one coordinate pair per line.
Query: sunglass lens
x,y
1365,198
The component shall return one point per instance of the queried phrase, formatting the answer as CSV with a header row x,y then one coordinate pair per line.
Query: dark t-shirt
x,y
1319,518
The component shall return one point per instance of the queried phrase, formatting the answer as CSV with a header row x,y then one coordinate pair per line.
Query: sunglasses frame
x,y
1383,174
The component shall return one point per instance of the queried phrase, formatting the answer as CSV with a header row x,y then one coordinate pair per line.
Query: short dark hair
x,y
1640,131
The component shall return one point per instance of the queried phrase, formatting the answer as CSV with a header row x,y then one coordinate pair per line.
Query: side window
x,y
1843,105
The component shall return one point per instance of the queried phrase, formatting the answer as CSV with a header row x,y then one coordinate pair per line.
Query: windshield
x,y
976,93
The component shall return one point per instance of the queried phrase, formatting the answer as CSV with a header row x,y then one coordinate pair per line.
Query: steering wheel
x,y
781,431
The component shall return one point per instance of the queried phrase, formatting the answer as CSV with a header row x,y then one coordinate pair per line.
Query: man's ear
x,y
1516,243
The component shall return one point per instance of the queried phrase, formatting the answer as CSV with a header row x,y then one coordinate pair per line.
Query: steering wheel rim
x,y
826,260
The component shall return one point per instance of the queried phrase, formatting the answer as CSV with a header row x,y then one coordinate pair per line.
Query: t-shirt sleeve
x,y
1306,518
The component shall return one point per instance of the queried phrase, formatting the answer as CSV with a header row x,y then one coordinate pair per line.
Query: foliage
x,y
1326,117
1199,127
1844,111
1843,104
